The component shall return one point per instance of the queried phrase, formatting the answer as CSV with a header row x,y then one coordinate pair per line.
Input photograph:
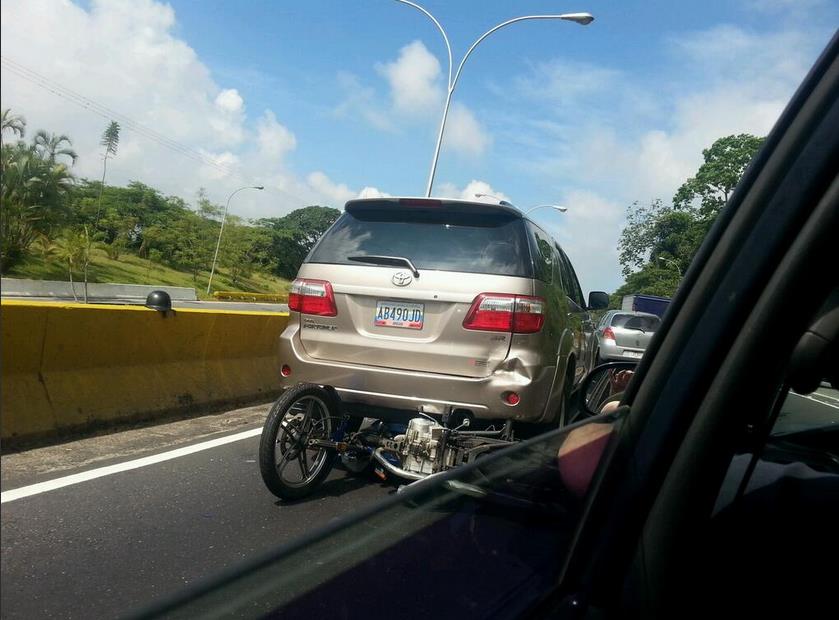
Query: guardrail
x,y
70,366
279,298
19,287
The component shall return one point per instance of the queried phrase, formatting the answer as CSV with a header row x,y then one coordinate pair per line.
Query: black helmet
x,y
159,300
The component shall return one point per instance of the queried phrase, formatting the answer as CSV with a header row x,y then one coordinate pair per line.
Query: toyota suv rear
x,y
438,305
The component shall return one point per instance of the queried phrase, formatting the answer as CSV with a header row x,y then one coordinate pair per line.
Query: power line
x,y
105,112
101,110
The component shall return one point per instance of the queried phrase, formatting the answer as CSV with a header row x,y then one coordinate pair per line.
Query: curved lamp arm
x,y
581,18
442,32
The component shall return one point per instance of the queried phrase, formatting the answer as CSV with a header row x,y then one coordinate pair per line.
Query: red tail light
x,y
312,297
501,312
608,334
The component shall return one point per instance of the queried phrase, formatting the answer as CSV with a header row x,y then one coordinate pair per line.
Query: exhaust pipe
x,y
393,469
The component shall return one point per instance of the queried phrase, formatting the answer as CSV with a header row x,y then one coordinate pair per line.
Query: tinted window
x,y
569,279
436,240
629,321
540,243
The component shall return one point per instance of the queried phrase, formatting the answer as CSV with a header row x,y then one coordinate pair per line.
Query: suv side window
x,y
569,278
540,243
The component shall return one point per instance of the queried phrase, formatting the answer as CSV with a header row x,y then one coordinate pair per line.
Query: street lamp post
x,y
579,18
554,207
670,261
221,230
504,203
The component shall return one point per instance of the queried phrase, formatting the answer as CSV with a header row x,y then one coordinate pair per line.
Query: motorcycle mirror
x,y
604,384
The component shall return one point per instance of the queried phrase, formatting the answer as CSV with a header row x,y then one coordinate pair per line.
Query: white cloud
x,y
463,132
361,100
230,100
126,55
372,192
799,8
338,193
590,220
470,191
414,79
416,95
562,81
274,139
649,138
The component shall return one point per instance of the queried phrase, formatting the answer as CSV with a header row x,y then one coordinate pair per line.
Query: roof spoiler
x,y
429,204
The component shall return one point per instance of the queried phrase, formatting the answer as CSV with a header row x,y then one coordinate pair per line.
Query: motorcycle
x,y
308,430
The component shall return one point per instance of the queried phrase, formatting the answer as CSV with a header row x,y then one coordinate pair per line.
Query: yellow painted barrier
x,y
69,366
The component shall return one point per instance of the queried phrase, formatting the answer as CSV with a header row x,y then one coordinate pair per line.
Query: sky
x,y
322,101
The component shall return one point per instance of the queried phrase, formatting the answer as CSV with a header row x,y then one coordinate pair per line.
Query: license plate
x,y
633,354
399,314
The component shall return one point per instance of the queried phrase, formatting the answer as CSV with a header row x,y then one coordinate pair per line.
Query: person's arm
x,y
579,455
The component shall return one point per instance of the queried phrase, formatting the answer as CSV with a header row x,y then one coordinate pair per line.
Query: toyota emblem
x,y
402,278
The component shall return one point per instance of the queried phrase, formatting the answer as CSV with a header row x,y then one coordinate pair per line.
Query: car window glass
x,y
818,411
431,240
574,292
629,321
543,256
503,524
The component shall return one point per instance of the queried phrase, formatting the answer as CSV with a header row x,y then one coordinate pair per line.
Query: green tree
x,y
294,235
206,208
723,165
51,146
32,200
659,236
70,248
658,231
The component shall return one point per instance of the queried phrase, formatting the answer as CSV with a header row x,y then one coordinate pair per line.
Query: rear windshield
x,y
432,239
630,321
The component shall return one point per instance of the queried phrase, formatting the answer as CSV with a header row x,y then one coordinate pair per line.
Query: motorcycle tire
x,y
303,412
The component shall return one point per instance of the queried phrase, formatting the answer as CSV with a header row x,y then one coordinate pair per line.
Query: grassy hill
x,y
130,269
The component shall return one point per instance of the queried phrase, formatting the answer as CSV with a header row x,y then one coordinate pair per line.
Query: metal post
x,y
221,230
580,18
554,207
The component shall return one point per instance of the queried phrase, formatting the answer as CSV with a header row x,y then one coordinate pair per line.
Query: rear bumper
x,y
435,393
609,350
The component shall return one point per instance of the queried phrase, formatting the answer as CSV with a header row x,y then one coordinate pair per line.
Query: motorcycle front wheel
x,y
290,468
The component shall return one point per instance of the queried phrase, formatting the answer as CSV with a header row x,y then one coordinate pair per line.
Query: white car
x,y
623,335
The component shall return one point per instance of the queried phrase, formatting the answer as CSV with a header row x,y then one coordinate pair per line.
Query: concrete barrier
x,y
20,287
71,366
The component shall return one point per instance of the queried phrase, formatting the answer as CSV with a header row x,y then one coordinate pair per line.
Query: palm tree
x,y
110,140
50,146
31,194
14,123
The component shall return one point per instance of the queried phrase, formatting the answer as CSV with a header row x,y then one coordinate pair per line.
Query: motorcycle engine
x,y
422,445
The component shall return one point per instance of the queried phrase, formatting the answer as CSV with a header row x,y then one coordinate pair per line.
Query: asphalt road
x,y
103,547
106,546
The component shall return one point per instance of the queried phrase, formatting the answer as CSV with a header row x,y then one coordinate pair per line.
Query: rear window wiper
x,y
395,261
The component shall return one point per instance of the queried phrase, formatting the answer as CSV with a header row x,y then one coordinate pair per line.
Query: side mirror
x,y
603,384
598,300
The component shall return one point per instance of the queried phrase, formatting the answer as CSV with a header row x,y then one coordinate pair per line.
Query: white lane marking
x,y
816,400
51,485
